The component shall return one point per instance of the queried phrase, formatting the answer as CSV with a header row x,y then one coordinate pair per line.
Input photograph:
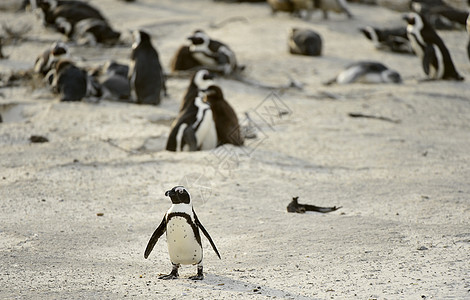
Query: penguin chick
x,y
225,118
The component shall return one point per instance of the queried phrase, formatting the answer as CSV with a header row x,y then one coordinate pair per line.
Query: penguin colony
x,y
205,118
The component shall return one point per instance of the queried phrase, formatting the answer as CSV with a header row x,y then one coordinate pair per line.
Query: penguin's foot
x,y
197,277
169,276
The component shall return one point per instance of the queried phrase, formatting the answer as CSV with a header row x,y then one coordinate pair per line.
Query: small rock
x,y
38,139
423,248
100,215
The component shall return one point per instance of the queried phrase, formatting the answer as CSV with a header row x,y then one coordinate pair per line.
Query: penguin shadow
x,y
216,282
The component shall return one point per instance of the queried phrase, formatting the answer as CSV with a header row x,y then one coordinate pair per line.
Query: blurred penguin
x,y
146,74
305,42
366,72
391,39
427,44
200,81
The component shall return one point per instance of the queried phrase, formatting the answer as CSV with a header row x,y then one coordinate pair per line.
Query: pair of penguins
x,y
424,41
76,19
206,120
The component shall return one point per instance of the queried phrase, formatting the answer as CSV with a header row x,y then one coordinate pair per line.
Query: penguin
x,y
305,42
115,84
366,72
146,74
439,14
69,81
183,60
95,31
225,118
391,39
201,80
181,225
46,60
194,128
427,44
63,15
212,54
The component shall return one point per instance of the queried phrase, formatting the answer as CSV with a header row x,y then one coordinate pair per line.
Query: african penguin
x,y
392,39
201,80
115,84
44,62
181,225
69,81
146,74
225,118
92,31
305,42
366,72
212,54
194,128
183,60
427,44
439,14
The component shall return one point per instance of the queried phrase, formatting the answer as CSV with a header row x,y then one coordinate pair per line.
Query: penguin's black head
x,y
199,37
59,48
178,194
213,93
202,79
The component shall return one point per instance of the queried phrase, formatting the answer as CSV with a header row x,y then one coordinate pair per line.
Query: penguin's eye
x,y
180,191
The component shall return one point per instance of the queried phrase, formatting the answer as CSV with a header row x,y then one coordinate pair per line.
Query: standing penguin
x,y
146,75
182,233
211,53
201,80
226,121
194,128
435,57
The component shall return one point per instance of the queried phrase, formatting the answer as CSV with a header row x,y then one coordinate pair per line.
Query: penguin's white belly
x,y
204,59
206,134
182,244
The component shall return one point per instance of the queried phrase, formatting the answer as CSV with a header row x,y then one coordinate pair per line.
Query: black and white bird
x,y
305,42
212,54
393,39
200,81
146,73
115,84
70,82
366,72
194,128
435,57
182,226
225,118
45,61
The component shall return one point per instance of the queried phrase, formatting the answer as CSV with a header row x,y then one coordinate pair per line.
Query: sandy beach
x,y
77,211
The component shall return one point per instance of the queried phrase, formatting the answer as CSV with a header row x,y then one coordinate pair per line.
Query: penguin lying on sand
x,y
305,42
391,39
435,56
181,225
208,53
366,72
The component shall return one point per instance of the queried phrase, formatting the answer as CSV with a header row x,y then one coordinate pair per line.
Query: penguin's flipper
x,y
155,236
198,223
189,137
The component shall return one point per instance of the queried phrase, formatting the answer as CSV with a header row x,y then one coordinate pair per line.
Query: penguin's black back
x,y
71,83
149,78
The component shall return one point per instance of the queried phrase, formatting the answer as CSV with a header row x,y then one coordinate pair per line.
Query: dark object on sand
x,y
38,139
295,206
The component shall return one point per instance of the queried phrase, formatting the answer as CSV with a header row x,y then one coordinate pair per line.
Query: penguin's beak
x,y
408,18
168,193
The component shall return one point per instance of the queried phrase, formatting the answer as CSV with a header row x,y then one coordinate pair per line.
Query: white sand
x,y
402,186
